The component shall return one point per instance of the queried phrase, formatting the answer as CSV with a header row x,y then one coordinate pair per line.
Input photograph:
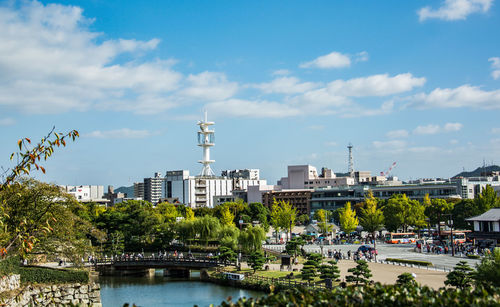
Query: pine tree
x,y
405,280
226,254
360,273
256,260
330,271
310,269
460,277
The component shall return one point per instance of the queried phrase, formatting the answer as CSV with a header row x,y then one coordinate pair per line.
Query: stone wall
x,y
10,282
55,295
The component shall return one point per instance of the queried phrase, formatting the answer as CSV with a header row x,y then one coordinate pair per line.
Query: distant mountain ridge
x,y
477,172
127,190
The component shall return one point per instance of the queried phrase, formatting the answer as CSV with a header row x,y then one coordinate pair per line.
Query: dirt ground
x,y
388,273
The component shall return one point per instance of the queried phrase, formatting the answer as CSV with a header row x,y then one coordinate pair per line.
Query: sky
x,y
286,82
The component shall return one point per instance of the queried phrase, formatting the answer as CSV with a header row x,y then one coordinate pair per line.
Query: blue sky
x,y
287,82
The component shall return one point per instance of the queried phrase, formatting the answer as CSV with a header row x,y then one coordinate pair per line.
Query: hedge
x,y
373,295
34,274
472,256
417,262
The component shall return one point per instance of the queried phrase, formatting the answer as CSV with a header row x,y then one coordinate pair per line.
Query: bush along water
x,y
374,295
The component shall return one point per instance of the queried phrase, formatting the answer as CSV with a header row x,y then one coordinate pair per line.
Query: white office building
x,y
86,193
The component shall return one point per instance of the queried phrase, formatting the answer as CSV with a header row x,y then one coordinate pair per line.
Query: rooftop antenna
x,y
351,162
206,139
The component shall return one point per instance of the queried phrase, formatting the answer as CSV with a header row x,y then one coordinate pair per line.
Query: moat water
x,y
166,291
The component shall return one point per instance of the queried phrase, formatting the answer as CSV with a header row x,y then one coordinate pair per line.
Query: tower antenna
x,y
206,139
351,161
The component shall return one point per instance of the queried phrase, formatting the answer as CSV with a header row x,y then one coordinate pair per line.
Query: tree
x,y
39,218
303,219
437,212
487,199
330,271
226,254
258,212
372,219
462,210
283,216
310,268
189,214
276,218
256,260
207,228
360,273
321,216
228,236
488,271
348,219
294,245
168,212
401,212
227,218
251,238
406,280
460,277
28,158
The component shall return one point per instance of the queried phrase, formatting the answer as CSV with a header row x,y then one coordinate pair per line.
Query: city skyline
x,y
285,85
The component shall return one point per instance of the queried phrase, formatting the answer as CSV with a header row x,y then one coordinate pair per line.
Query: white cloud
x,y
362,56
359,111
463,96
331,143
249,108
429,129
316,127
281,72
375,85
123,133
331,60
51,62
7,121
455,9
210,86
286,85
434,129
451,127
397,134
495,65
495,130
453,142
423,149
389,145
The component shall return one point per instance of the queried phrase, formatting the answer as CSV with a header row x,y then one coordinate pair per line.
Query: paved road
x,y
401,251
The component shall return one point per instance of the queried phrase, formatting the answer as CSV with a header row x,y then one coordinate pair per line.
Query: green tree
x,y
372,218
258,212
251,238
438,211
207,228
226,254
329,271
460,277
227,218
348,219
462,210
487,199
256,260
228,236
275,217
168,212
488,271
185,230
310,268
406,280
189,214
40,218
321,216
401,212
294,245
360,273
303,219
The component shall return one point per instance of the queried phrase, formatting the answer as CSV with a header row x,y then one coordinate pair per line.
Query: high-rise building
x,y
153,188
139,190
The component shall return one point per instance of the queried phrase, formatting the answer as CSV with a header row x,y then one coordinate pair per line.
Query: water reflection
x,y
157,290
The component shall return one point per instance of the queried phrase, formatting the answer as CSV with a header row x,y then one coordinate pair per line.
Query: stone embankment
x,y
12,294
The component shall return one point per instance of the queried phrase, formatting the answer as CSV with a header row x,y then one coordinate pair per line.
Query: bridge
x,y
173,266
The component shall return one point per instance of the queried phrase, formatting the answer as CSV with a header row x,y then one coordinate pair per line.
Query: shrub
x,y
472,256
32,274
417,262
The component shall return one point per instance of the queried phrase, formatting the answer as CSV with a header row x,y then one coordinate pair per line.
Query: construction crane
x,y
389,170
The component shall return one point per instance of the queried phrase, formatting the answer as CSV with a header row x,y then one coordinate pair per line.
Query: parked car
x,y
365,248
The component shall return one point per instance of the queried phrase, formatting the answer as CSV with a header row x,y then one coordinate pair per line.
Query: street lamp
x,y
450,223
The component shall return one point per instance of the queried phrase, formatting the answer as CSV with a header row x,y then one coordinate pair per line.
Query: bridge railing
x,y
159,260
